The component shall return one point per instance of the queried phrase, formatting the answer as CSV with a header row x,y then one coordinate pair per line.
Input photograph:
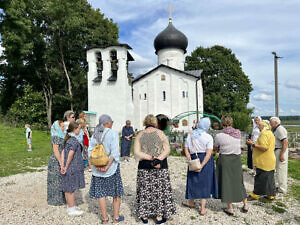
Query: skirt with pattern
x,y
107,186
154,195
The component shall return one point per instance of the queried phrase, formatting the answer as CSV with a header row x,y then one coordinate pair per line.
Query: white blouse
x,y
202,143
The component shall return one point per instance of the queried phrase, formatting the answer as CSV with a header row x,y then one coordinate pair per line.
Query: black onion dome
x,y
170,38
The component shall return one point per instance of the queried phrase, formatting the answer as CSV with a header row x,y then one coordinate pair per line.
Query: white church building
x,y
164,91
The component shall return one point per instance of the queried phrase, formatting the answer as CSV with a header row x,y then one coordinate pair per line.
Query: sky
x,y
251,28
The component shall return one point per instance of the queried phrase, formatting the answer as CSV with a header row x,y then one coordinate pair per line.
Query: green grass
x,y
295,191
14,157
294,169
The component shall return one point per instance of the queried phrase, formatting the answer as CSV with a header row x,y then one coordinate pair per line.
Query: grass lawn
x,y
14,157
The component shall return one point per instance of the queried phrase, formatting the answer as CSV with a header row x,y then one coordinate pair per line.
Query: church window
x,y
183,94
163,77
114,65
184,123
164,96
145,96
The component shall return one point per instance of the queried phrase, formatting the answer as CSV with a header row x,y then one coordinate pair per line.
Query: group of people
x,y
154,195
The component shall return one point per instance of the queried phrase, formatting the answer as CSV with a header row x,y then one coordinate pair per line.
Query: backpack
x,y
98,155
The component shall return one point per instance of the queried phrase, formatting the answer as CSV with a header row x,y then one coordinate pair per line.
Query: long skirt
x,y
154,195
230,178
107,186
55,194
264,183
203,184
125,147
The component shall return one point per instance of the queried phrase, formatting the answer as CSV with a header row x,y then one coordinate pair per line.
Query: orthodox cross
x,y
170,9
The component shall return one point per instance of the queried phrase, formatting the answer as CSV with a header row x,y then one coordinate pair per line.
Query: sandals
x,y
245,209
202,214
104,221
120,219
228,212
188,205
145,221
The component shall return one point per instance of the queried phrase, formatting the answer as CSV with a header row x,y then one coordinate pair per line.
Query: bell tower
x,y
109,83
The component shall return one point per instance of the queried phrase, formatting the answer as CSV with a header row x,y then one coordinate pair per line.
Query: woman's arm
x,y
207,157
187,153
57,155
69,160
166,147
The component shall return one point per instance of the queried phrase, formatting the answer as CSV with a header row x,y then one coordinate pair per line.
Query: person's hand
x,y
149,157
249,142
159,157
63,170
157,166
281,157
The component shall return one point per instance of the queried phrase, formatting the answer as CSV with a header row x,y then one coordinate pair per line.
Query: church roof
x,y
109,45
193,73
170,37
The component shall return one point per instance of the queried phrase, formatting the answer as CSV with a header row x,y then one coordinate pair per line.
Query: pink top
x,y
228,144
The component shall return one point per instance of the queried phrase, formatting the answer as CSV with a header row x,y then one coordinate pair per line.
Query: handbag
x,y
98,155
194,164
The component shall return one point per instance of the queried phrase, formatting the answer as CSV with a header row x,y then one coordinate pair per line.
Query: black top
x,y
146,164
170,38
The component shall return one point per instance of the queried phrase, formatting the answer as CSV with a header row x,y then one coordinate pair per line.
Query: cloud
x,y
293,84
262,97
140,64
250,106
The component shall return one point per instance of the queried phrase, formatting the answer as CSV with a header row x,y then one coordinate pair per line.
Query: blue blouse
x,y
111,145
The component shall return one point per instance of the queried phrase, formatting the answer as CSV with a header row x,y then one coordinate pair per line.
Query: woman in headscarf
x,y
254,135
55,194
106,180
127,134
229,166
265,162
201,184
154,197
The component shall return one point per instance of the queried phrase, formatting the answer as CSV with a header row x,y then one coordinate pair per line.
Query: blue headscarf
x,y
56,130
202,126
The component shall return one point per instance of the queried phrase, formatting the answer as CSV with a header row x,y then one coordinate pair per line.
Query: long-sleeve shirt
x,y
111,145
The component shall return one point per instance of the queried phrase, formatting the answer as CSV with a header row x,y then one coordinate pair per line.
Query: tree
x,y
45,45
226,86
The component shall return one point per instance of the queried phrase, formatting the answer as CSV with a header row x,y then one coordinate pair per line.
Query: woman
x,y
254,135
73,172
106,180
127,134
55,194
154,196
69,116
265,162
229,166
201,184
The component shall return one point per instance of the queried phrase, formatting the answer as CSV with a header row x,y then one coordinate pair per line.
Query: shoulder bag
x,y
194,164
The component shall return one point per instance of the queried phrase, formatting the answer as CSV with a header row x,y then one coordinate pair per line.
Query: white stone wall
x,y
171,57
113,98
174,84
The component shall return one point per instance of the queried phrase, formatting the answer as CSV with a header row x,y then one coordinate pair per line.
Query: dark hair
x,y
72,126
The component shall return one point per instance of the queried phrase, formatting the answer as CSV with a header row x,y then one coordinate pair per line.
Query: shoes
x,y
162,221
104,221
29,150
145,221
120,219
229,212
74,211
245,209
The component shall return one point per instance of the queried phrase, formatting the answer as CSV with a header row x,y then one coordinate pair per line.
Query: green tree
x,y
45,45
226,86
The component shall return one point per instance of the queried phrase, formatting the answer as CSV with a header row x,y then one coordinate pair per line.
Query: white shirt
x,y
202,143
255,134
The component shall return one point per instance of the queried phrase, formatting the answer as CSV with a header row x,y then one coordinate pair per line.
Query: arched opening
x,y
114,65
162,122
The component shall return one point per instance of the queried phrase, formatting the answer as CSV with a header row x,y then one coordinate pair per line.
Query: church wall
x,y
106,97
171,57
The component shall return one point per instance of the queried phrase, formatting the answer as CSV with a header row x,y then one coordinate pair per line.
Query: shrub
x,y
241,120
30,108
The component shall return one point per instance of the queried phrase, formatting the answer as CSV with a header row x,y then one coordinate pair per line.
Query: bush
x,y
30,108
241,120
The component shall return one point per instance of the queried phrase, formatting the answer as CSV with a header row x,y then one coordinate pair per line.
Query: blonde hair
x,y
150,120
227,121
27,125
81,121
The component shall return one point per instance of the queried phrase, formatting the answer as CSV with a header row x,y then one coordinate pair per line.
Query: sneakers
x,y
29,149
74,211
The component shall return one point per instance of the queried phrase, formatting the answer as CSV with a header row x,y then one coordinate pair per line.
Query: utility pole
x,y
276,82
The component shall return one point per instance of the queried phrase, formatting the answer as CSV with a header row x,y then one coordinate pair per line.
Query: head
x,y
128,123
204,124
82,116
150,120
69,116
74,128
61,125
227,121
27,126
106,121
257,120
81,123
264,125
274,121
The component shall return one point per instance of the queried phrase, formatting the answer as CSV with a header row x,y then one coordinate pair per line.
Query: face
x,y
62,126
128,124
260,127
257,120
71,118
77,130
273,123
84,117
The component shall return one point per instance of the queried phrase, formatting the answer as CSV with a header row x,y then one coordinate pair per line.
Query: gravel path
x,y
23,201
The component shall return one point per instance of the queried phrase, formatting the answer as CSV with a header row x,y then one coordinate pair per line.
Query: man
x,y
281,153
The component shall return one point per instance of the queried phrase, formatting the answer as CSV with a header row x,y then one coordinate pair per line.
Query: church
x,y
165,91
